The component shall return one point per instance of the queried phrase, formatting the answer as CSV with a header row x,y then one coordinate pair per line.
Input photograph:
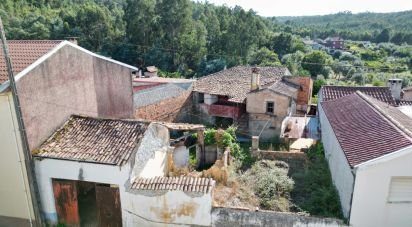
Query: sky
x,y
316,7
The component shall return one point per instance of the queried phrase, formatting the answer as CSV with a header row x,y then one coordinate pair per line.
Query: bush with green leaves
x,y
270,182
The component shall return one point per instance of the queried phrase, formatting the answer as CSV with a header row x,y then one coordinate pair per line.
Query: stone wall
x,y
170,110
225,217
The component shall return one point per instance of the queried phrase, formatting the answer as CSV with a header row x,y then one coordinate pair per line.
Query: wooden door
x,y
65,198
108,206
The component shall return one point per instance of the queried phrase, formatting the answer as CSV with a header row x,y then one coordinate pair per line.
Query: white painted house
x,y
368,145
109,172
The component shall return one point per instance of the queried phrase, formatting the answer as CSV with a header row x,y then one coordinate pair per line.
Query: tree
x,y
263,57
315,62
384,36
317,84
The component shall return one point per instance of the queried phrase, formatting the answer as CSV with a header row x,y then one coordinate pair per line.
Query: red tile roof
x,y
380,93
87,139
182,183
24,53
366,128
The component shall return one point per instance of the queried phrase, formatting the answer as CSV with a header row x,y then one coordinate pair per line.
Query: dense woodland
x,y
185,38
375,27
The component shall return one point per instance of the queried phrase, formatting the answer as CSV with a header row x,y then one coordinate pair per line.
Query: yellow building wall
x,y
15,200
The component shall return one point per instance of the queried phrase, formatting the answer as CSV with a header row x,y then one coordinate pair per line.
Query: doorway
x,y
81,203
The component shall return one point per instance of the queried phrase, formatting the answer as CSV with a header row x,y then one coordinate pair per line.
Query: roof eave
x,y
384,158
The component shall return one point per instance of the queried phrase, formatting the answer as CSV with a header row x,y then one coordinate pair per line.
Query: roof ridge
x,y
396,123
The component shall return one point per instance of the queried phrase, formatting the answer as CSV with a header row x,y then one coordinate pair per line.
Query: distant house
x,y
368,145
335,43
55,79
390,94
256,99
108,172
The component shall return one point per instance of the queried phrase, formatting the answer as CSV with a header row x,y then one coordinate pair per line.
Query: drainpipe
x,y
26,150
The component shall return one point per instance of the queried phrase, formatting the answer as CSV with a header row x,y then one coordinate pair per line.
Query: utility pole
x,y
28,161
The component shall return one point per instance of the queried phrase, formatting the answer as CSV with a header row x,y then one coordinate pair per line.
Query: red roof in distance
x,y
23,53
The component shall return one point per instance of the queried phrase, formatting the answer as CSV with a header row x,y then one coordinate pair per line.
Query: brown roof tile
x,y
87,139
363,132
236,82
24,53
182,183
380,93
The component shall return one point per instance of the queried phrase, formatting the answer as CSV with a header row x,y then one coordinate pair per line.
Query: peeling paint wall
x,y
47,169
173,208
151,156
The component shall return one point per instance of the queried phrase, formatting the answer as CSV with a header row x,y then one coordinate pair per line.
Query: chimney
x,y
72,39
395,85
255,80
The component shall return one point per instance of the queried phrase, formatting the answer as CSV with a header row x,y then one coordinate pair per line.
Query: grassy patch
x,y
314,191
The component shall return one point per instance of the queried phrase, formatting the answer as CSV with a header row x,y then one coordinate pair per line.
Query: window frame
x,y
273,107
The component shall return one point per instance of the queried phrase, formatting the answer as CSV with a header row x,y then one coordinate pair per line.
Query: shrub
x,y
270,183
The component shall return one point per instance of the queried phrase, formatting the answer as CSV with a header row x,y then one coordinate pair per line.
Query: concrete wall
x,y
14,188
151,157
339,167
370,206
172,208
228,217
258,118
72,81
181,156
139,208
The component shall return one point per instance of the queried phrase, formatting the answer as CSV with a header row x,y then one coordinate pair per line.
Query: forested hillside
x,y
186,38
180,35
375,27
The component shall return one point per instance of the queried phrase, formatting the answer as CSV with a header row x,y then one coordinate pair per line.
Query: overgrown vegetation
x,y
270,183
314,191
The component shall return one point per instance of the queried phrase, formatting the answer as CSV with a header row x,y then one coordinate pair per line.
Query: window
x,y
270,106
400,190
201,98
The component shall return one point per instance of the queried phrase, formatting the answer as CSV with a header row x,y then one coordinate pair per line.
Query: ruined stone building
x,y
255,99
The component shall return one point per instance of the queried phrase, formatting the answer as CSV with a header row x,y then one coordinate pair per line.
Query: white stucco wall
x,y
210,99
47,169
151,157
15,200
341,172
174,208
139,208
181,156
370,206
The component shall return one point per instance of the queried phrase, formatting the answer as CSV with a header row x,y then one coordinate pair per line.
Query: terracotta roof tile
x,y
364,133
380,93
236,82
94,140
182,183
24,53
